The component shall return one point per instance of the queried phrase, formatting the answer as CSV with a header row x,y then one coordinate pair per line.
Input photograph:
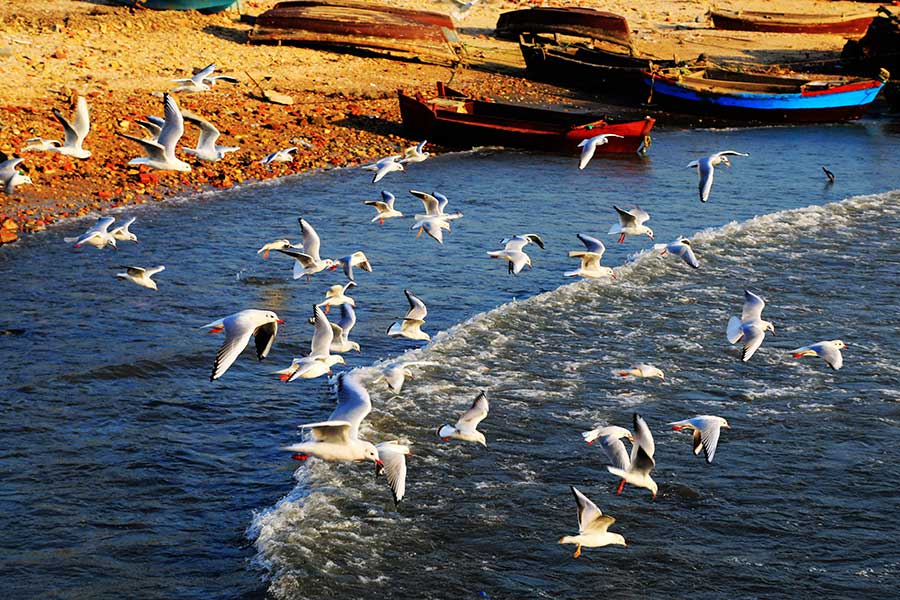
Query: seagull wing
x,y
830,354
347,320
592,244
353,402
173,128
323,335
589,516
264,335
311,240
707,436
393,456
470,419
753,307
625,217
417,309
237,336
335,431
705,172
643,439
753,339
615,451
432,206
208,132
686,253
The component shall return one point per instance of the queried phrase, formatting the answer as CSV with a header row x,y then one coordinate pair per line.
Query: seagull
x,y
513,252
385,207
261,324
641,461
706,166
276,245
308,262
285,155
411,325
141,276
97,235
10,177
341,330
434,204
465,428
415,154
337,439
161,153
590,259
828,174
830,351
319,360
76,131
589,146
631,222
393,457
706,432
202,81
749,326
592,527
337,295
611,442
206,144
383,166
643,370
357,259
681,248
395,374
123,234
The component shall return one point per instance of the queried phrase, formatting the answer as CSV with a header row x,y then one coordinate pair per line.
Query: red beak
x,y
280,321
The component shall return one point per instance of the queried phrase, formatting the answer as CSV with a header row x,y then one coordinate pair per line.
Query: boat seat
x,y
457,106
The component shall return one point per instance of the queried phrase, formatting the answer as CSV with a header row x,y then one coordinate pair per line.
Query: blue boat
x,y
761,97
204,6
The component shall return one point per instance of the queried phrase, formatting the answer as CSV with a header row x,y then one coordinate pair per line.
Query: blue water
x,y
126,471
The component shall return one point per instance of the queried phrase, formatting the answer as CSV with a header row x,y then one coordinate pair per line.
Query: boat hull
x,y
788,23
841,103
203,6
584,67
453,120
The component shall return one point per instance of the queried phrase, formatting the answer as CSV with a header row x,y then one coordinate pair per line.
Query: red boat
x,y
747,20
578,21
455,120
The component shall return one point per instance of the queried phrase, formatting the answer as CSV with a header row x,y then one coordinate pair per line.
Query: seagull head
x,y
649,232
839,344
479,437
769,326
724,423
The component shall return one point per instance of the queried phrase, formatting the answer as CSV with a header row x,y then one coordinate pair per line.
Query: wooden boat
x,y
587,65
747,20
204,6
453,119
351,24
582,22
752,97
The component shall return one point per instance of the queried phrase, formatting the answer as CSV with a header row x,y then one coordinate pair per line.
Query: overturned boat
x,y
777,22
353,25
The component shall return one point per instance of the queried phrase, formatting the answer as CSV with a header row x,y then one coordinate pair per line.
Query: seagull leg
x,y
421,229
577,552
266,254
216,330
300,456
621,238
327,308
621,487
381,221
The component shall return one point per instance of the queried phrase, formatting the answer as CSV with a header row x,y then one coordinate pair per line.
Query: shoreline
x,y
344,104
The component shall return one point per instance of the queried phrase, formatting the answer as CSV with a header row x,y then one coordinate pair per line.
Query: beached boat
x,y
587,65
204,6
583,22
800,97
453,119
748,20
354,25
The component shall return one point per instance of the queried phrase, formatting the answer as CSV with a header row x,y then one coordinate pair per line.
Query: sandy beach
x,y
122,59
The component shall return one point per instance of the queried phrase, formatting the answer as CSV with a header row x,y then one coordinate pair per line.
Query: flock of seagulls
x,y
338,437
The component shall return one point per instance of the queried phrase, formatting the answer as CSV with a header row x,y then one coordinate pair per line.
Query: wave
x,y
486,352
